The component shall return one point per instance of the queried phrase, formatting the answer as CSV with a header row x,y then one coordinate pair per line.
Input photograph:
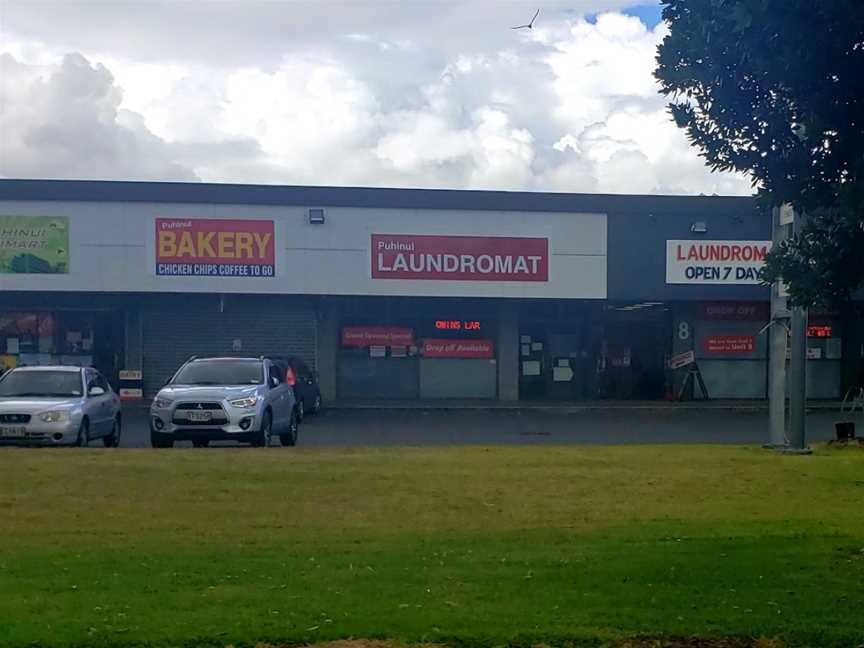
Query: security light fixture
x,y
699,227
316,216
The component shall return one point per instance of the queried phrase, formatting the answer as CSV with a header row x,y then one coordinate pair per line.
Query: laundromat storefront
x,y
407,350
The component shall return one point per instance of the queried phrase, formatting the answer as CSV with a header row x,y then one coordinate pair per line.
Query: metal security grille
x,y
14,418
177,327
199,406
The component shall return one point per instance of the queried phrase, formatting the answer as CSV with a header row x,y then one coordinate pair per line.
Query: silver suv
x,y
211,399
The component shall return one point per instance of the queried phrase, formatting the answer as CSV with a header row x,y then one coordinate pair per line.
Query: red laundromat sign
x,y
730,344
458,349
459,258
364,336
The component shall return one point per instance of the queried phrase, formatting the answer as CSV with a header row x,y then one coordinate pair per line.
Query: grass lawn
x,y
459,545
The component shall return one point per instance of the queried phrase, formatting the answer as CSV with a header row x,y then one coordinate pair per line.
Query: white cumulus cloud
x,y
425,94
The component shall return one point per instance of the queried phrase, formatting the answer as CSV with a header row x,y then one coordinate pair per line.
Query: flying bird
x,y
530,25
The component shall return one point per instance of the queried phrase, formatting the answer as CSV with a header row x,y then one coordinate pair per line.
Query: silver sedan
x,y
58,406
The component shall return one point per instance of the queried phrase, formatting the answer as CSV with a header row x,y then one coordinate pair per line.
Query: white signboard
x,y
682,359
212,248
715,262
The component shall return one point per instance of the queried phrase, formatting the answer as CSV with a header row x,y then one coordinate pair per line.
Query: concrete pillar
x,y
850,360
683,336
777,341
508,351
328,342
133,346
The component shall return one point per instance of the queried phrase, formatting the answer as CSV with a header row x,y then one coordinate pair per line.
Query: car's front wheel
x,y
289,437
113,439
262,439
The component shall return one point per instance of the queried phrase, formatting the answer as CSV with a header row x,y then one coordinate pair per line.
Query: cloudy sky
x,y
440,93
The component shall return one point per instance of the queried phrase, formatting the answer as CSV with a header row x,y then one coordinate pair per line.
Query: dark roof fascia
x,y
365,197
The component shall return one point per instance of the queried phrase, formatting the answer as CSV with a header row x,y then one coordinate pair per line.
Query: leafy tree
x,y
775,89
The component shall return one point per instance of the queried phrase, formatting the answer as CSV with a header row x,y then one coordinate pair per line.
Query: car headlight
x,y
162,403
54,417
244,403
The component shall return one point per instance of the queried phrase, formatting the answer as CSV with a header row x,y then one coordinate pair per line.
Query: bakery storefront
x,y
35,337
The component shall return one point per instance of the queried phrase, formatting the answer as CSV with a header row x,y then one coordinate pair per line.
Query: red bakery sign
x,y
459,258
458,349
365,336
730,344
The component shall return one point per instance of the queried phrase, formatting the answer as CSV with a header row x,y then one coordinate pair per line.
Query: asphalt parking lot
x,y
371,428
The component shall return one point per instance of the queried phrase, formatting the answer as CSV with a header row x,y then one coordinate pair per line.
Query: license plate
x,y
13,432
199,417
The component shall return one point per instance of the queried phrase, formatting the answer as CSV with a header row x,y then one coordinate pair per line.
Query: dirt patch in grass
x,y
697,642
678,642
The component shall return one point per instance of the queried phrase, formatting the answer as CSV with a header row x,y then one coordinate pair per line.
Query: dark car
x,y
305,381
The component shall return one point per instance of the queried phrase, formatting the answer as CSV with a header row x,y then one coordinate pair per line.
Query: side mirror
x,y
96,391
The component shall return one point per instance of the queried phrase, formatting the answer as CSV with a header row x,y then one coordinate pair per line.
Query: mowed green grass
x,y
462,545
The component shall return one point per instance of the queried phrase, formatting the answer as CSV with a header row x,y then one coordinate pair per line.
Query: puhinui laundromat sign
x,y
715,262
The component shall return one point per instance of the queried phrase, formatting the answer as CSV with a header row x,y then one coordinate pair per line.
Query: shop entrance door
x,y
108,345
639,343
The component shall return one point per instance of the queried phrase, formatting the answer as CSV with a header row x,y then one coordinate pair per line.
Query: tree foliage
x,y
775,89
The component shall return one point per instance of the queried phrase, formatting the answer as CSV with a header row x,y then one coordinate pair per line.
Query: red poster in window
x,y
458,349
730,344
365,336
742,311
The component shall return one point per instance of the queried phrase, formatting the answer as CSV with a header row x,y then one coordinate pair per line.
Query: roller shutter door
x,y
179,326
376,378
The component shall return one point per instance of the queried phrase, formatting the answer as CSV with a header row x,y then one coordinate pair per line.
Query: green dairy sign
x,y
34,245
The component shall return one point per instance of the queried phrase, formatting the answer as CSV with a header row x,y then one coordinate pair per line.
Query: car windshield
x,y
41,384
220,372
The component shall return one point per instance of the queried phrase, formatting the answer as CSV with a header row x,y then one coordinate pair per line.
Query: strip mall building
x,y
401,294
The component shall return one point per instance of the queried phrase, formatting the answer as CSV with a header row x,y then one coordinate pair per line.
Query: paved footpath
x,y
346,427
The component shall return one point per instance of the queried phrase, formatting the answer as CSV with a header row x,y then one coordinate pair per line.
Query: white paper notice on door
x,y
531,368
562,374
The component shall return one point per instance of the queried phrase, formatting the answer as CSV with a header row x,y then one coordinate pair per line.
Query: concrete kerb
x,y
552,407
574,407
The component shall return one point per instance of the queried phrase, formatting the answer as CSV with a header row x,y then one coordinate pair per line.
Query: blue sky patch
x,y
650,14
